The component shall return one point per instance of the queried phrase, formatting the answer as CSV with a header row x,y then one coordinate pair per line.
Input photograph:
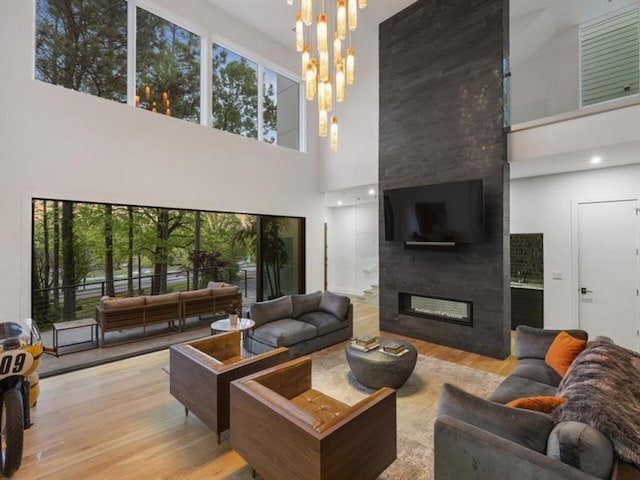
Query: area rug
x,y
416,403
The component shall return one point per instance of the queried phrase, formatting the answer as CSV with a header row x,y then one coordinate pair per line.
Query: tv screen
x,y
445,213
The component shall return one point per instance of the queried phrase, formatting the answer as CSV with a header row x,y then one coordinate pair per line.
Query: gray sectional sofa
x,y
302,323
482,439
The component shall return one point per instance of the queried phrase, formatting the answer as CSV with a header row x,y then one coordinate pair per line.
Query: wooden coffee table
x,y
376,369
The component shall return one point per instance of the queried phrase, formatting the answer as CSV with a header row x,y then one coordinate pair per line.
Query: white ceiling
x,y
275,18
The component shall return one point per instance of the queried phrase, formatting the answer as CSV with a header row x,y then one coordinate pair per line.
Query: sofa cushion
x,y
305,303
222,291
191,294
538,371
122,303
166,298
336,305
264,312
540,403
525,427
515,387
283,332
583,447
324,322
563,350
534,342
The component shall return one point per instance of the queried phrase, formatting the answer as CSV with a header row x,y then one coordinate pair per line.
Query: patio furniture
x,y
200,372
286,430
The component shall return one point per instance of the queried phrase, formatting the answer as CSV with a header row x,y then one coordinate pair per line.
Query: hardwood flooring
x,y
118,421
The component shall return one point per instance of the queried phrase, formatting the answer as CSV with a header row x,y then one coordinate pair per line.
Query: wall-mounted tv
x,y
444,214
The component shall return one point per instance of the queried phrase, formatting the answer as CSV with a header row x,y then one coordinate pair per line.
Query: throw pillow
x,y
336,305
541,403
563,350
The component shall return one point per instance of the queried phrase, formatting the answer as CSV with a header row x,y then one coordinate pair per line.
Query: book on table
x,y
365,348
366,340
393,348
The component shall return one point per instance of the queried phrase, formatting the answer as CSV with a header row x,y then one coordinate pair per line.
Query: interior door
x,y
608,270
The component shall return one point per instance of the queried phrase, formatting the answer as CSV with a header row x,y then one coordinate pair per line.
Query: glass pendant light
x,y
299,33
333,140
337,48
306,7
324,66
306,57
310,78
322,103
340,82
352,12
351,65
341,19
328,95
321,29
362,4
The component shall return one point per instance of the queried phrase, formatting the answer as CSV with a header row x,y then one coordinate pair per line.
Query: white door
x,y
608,270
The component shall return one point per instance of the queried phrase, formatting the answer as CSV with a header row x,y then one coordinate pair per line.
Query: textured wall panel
x,y
441,120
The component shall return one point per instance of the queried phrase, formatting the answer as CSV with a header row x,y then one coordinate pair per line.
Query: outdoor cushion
x,y
525,427
324,322
270,310
336,305
222,291
204,292
305,303
166,298
583,447
283,332
110,305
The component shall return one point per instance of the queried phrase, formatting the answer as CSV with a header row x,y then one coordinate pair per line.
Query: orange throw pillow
x,y
563,351
542,404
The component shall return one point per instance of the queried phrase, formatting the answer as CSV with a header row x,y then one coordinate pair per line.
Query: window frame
x,y
207,39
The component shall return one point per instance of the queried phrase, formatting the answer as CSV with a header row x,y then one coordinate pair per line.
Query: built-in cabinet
x,y
527,307
527,288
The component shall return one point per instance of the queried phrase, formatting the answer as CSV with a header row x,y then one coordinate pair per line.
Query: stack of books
x,y
365,343
396,349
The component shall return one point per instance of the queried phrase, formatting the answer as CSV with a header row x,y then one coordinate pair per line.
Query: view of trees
x,y
167,68
99,244
82,45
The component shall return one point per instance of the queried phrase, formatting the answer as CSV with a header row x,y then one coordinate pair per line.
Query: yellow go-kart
x,y
20,352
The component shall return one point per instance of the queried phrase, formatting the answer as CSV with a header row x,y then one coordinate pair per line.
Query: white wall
x,y
543,205
56,143
356,162
352,251
547,83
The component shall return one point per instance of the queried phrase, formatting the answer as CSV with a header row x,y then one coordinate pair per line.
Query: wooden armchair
x,y
200,373
286,430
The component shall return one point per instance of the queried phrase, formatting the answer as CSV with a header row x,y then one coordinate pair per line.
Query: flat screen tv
x,y
442,214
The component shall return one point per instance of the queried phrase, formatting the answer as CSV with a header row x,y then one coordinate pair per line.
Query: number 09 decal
x,y
15,362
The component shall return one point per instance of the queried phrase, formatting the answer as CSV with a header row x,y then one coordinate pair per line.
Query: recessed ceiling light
x,y
596,160
339,202
372,191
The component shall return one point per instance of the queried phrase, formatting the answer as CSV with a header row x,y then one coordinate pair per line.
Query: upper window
x,y
234,93
281,110
610,58
167,68
83,46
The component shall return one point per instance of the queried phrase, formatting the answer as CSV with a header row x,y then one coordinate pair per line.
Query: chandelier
x,y
326,71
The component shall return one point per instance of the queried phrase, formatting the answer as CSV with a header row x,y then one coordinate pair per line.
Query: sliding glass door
x,y
281,256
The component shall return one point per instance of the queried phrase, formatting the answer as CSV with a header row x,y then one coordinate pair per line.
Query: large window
x,y
167,68
82,45
87,45
234,93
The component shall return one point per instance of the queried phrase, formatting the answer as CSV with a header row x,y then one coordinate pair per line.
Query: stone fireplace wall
x,y
441,120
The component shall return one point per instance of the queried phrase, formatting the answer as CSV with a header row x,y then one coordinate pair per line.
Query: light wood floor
x,y
118,421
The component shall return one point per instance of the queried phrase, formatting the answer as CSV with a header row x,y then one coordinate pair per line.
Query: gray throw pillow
x,y
525,427
305,303
265,312
582,446
336,305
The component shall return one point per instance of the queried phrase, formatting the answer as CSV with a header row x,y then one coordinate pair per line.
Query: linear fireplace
x,y
436,308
